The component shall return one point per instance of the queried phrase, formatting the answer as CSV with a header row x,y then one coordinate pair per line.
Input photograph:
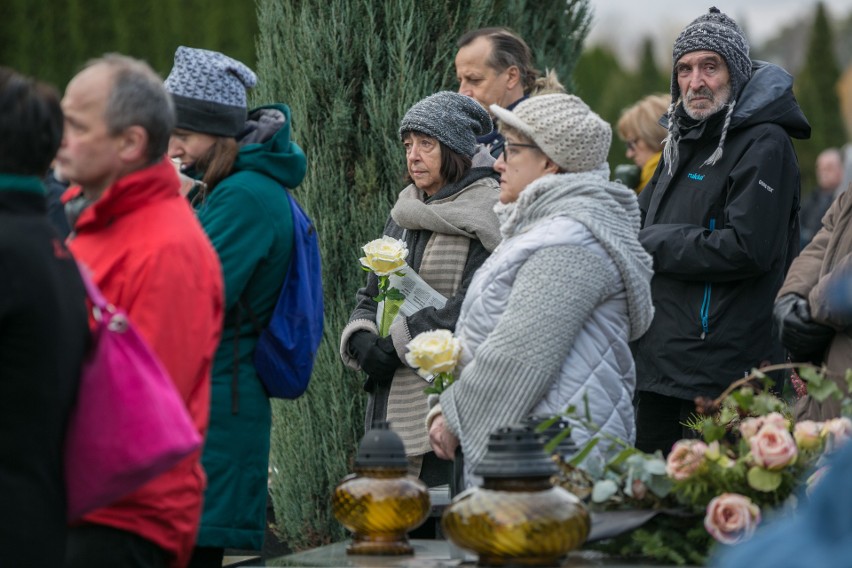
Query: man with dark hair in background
x,y
494,66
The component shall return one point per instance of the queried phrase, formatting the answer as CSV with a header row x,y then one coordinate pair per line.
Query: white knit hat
x,y
565,129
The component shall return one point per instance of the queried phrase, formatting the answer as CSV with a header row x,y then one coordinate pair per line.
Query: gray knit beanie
x,y
209,91
716,32
454,119
565,129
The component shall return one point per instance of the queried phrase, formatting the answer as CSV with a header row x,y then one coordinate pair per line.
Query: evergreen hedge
x,y
349,70
52,39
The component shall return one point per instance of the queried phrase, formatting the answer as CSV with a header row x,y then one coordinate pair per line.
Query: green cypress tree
x,y
349,70
649,78
816,90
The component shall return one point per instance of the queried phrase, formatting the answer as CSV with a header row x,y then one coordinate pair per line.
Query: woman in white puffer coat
x,y
547,318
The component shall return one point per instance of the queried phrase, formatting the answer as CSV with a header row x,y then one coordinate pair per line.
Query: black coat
x,y
722,238
43,335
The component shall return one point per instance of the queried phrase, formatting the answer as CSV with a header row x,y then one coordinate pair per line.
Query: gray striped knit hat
x,y
454,119
715,31
209,91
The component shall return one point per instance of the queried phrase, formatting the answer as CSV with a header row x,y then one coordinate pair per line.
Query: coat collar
x,y
158,182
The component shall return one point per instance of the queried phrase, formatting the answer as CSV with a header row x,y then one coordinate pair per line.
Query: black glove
x,y
377,357
806,339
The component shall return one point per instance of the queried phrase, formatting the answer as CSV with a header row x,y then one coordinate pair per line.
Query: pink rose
x,y
773,448
685,458
750,426
838,430
776,419
731,518
807,434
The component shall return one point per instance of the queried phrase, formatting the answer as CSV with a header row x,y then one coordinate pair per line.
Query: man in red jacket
x,y
150,256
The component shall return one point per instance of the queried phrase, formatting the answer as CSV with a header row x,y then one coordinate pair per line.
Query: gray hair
x,y
138,98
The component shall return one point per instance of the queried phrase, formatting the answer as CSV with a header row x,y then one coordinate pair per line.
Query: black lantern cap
x,y
516,451
556,426
381,447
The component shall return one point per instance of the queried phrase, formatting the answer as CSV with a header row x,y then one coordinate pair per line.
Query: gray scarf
x,y
609,210
467,212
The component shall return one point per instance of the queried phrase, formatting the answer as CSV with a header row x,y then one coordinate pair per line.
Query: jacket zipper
x,y
705,304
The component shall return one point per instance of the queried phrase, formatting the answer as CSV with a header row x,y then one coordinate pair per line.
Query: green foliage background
x,y
349,70
816,89
52,39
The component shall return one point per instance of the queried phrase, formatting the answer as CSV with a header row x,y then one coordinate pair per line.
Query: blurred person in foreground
x,y
148,255
548,317
640,129
720,218
43,330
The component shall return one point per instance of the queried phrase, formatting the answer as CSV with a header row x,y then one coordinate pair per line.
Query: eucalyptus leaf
x,y
660,486
763,480
655,467
603,490
578,459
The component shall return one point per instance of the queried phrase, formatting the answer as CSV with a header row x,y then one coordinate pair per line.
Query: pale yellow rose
x,y
433,352
807,434
385,255
715,454
837,432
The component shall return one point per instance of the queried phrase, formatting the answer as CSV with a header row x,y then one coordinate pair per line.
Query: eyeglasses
x,y
631,144
509,148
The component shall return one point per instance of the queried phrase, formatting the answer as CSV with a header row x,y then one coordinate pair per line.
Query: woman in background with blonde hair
x,y
639,127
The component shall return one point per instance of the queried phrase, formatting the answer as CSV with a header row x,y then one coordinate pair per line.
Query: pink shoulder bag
x,y
129,424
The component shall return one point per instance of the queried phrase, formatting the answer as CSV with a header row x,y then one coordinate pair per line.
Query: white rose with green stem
x,y
435,355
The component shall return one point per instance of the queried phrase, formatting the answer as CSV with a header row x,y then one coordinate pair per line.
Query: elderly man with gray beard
x,y
720,220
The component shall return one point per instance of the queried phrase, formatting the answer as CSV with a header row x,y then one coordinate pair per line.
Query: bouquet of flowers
x,y
383,257
750,461
434,354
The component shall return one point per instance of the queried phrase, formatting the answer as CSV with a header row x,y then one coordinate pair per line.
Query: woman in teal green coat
x,y
244,162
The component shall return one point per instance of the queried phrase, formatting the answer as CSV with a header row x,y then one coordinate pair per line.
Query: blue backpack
x,y
285,352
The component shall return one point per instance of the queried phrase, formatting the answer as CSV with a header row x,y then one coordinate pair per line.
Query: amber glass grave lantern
x,y
379,503
517,517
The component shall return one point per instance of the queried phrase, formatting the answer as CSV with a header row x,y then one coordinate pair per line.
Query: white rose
x,y
433,352
385,255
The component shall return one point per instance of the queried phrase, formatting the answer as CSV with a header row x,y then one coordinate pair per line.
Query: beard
x,y
716,101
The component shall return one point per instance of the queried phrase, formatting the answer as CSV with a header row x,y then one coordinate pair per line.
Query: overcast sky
x,y
623,23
